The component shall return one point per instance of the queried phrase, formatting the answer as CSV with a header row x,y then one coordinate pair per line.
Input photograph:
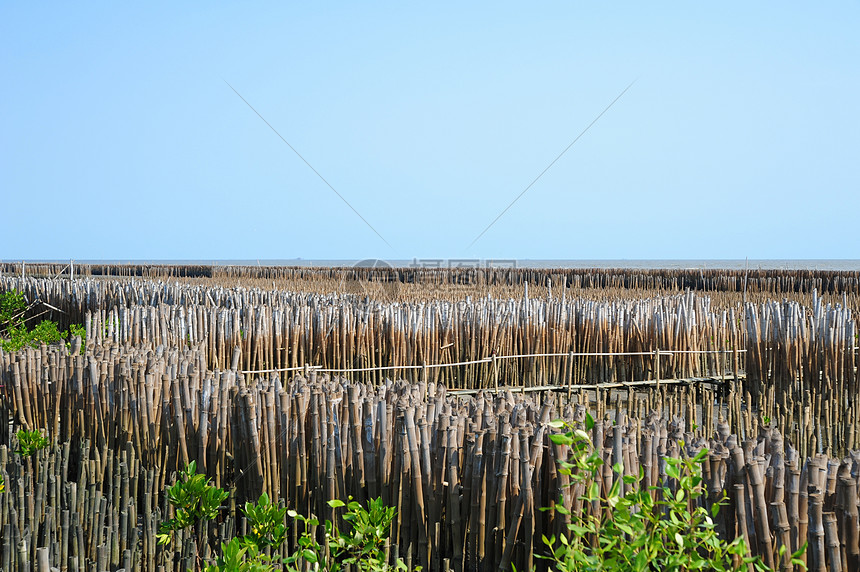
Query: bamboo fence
x,y
771,281
468,473
180,370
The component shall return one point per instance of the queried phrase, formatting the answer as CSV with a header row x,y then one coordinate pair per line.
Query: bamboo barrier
x,y
467,473
287,330
794,355
751,281
174,371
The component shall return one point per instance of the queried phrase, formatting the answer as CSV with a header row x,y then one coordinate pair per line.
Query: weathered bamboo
x,y
143,401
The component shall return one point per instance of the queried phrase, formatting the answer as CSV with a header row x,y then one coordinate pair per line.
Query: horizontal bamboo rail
x,y
320,369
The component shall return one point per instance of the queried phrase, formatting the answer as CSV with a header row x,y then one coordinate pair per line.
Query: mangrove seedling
x,y
195,501
29,442
670,531
14,333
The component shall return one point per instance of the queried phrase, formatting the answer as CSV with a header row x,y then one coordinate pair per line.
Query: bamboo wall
x,y
703,280
278,329
162,382
799,361
790,347
468,474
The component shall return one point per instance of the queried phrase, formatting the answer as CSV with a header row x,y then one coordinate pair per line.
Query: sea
x,y
682,264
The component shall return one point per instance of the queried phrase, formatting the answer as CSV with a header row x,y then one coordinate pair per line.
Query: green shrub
x,y
246,554
12,308
17,337
76,330
239,557
638,532
266,522
195,501
45,332
14,334
29,442
361,547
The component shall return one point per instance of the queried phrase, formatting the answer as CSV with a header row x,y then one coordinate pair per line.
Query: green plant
x,y
195,501
236,557
14,334
266,522
12,307
640,530
309,550
16,338
12,328
76,330
45,332
29,442
246,554
2,484
361,547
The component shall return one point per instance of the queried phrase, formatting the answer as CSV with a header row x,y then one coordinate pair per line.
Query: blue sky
x,y
119,138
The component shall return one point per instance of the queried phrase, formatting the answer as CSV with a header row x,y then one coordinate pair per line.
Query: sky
x,y
121,138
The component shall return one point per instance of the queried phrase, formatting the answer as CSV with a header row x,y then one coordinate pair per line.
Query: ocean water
x,y
727,264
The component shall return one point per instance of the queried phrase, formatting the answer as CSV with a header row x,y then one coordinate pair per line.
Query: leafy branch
x,y
29,442
16,335
646,528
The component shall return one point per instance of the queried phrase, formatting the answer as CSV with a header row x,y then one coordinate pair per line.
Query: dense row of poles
x,y
799,358
465,272
175,371
468,473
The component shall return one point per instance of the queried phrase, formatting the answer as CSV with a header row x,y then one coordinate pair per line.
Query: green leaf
x,y
589,421
800,551
672,470
310,556
582,435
